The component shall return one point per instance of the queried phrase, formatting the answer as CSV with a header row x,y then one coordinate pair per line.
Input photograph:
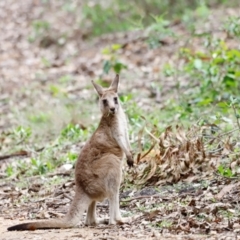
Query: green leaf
x,y
229,80
115,47
118,67
107,66
197,63
106,51
222,104
205,102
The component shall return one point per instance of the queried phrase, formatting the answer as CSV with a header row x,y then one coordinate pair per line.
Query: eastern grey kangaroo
x,y
98,169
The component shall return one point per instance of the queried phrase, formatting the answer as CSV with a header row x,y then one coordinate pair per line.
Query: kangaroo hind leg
x,y
79,205
114,211
91,219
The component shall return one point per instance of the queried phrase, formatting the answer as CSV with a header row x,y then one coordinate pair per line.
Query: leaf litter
x,y
205,202
182,154
178,194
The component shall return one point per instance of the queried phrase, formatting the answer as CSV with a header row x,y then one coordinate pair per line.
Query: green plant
x,y
45,62
232,26
226,213
102,19
40,27
225,171
72,157
212,76
164,224
21,133
9,170
235,103
158,31
65,79
112,62
190,16
39,117
117,16
54,90
73,132
39,167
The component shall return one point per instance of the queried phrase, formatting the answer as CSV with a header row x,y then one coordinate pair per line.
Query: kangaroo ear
x,y
114,85
98,88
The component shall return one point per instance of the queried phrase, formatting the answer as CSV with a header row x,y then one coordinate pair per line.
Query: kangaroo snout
x,y
112,109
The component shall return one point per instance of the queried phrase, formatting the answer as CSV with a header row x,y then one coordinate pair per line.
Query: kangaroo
x,y
98,169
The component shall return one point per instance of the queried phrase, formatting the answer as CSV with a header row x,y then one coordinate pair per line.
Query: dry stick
x,y
140,133
227,178
216,150
17,154
155,138
67,196
235,153
150,149
235,113
223,134
226,133
141,197
65,174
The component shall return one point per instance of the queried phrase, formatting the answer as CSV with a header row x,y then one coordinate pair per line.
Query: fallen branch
x,y
141,197
226,189
17,154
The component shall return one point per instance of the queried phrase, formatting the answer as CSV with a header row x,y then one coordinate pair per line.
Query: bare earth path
x,y
42,235
76,233
97,234
29,80
79,233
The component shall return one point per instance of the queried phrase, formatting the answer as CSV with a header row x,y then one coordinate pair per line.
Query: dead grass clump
x,y
184,154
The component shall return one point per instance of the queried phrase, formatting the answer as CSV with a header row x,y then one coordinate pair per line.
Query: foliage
x,y
121,16
39,28
212,76
225,171
232,26
112,61
179,87
158,31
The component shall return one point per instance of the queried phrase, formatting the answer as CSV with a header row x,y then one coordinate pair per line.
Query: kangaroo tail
x,y
58,223
80,203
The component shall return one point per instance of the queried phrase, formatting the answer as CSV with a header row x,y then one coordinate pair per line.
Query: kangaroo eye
x,y
115,100
105,102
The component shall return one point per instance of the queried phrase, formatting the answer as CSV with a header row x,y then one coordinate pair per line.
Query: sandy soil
x,y
103,233
76,233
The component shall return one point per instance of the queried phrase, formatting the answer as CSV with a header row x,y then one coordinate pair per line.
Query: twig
x,y
221,135
141,197
235,153
49,175
228,178
226,189
235,113
67,196
156,139
215,150
150,149
226,133
17,154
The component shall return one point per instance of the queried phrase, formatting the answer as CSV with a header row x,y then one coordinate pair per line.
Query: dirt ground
x,y
42,234
99,233
76,233
23,64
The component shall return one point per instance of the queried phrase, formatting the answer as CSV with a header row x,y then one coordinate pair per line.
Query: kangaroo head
x,y
108,98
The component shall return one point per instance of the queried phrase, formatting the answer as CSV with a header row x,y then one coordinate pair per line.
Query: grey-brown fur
x,y
98,169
